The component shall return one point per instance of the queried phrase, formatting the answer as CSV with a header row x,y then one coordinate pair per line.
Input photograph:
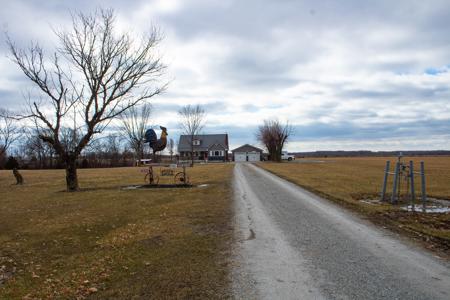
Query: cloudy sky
x,y
348,75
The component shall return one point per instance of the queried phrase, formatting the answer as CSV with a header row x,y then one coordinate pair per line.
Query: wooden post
x,y
18,176
150,172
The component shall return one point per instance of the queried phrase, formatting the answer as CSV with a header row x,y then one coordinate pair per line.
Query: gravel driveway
x,y
292,244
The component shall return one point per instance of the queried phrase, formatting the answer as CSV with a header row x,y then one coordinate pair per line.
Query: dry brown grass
x,y
105,242
348,180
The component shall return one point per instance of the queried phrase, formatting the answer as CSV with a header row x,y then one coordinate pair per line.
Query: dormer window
x,y
196,142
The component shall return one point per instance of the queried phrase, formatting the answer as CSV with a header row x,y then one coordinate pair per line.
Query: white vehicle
x,y
287,156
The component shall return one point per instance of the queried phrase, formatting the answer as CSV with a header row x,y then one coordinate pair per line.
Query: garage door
x,y
240,156
253,157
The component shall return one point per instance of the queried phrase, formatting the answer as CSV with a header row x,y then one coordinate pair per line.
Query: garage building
x,y
247,153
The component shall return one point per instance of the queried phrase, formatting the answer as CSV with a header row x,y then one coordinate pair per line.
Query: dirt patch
x,y
7,269
153,241
157,186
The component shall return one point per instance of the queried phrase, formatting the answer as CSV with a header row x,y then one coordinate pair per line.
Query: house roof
x,y
206,142
247,148
217,147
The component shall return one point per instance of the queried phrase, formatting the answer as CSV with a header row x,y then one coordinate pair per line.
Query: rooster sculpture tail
x,y
155,143
150,137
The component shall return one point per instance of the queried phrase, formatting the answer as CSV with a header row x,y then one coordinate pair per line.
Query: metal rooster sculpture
x,y
155,143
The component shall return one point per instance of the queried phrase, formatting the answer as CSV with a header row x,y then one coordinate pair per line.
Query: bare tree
x,y
171,148
9,131
192,120
112,149
134,122
95,73
274,136
36,148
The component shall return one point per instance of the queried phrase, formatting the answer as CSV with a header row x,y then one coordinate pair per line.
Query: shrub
x,y
11,163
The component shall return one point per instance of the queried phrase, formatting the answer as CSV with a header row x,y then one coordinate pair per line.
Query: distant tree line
x,y
108,152
365,153
31,152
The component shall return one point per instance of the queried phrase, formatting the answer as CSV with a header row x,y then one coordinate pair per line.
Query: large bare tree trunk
x,y
71,175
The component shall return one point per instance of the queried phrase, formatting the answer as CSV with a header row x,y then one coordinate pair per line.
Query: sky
x,y
347,75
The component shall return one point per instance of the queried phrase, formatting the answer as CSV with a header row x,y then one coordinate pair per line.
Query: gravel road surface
x,y
292,244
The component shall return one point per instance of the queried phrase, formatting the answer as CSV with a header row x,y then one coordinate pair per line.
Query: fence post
x,y
411,175
422,175
386,173
394,188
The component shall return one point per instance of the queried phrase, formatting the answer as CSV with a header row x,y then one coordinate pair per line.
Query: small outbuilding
x,y
247,153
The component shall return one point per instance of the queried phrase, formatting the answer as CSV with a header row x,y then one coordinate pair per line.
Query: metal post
x,y
394,188
422,175
386,174
411,178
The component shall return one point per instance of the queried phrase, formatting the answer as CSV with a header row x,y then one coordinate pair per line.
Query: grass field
x,y
350,180
104,242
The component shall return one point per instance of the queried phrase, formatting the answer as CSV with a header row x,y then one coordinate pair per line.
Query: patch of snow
x,y
371,202
428,209
132,187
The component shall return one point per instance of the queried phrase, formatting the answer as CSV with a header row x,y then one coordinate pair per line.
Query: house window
x,y
196,142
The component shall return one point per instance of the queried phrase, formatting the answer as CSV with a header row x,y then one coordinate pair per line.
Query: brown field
x,y
104,242
349,180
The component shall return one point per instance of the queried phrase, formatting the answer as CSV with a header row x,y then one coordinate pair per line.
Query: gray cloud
x,y
346,130
405,91
10,99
